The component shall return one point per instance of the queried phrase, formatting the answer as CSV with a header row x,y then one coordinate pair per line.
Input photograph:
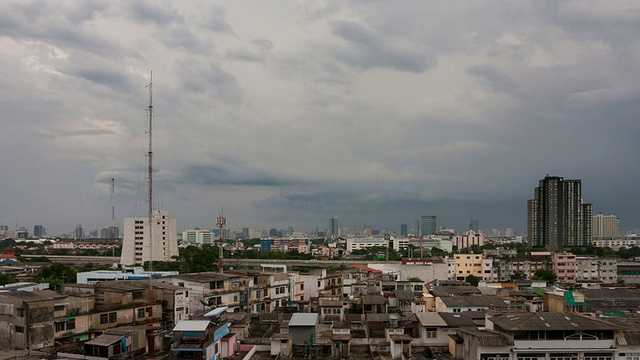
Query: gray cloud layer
x,y
290,113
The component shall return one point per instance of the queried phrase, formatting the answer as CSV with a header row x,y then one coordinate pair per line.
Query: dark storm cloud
x,y
367,49
494,78
210,78
216,21
244,55
111,78
228,171
150,11
48,22
79,132
180,36
386,206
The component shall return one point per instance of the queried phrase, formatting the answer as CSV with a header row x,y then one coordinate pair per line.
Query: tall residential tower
x,y
557,217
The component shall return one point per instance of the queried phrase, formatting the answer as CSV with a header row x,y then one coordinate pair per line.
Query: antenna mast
x,y
150,214
222,222
112,196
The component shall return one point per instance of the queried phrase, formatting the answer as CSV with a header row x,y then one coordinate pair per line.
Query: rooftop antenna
x,y
222,222
150,213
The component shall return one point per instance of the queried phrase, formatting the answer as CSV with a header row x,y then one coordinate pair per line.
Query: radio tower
x,y
150,214
222,222
112,197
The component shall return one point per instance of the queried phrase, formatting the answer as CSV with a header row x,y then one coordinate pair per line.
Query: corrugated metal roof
x,y
488,338
454,290
104,340
374,300
404,295
458,319
430,319
192,325
474,301
550,321
377,317
627,338
216,312
303,319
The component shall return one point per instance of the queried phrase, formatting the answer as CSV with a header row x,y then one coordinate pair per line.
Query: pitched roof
x,y
458,319
303,319
374,300
488,337
550,321
473,301
430,319
405,295
192,325
454,290
366,268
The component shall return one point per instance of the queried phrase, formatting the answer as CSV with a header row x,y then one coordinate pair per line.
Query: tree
x,y
473,280
56,274
518,275
544,274
7,279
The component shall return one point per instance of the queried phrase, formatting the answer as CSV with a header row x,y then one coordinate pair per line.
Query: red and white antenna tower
x,y
221,222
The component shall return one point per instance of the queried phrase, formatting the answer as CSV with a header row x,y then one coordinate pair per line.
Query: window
x,y
20,312
59,326
113,317
104,318
19,329
140,313
301,286
431,332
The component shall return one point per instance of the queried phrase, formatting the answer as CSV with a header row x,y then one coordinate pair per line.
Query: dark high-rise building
x,y
557,217
39,231
404,230
79,232
333,228
473,225
427,225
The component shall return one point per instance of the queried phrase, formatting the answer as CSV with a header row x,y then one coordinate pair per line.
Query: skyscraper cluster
x,y
557,217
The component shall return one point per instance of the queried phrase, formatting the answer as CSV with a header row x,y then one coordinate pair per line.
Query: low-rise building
x,y
26,320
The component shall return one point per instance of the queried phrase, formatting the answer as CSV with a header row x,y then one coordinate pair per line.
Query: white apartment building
x,y
365,243
137,243
605,226
616,242
198,237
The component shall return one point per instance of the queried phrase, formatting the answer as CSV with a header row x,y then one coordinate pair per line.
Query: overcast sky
x,y
289,112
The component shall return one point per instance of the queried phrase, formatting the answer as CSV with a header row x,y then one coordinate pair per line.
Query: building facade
x,y
141,239
427,225
605,226
557,217
198,237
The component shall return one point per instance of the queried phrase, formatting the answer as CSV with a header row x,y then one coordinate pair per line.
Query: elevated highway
x,y
236,263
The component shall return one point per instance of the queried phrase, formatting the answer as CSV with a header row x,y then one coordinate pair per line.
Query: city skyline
x,y
288,114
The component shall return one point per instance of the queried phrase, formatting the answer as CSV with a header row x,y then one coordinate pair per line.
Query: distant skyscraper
x,y
138,234
39,231
333,228
606,226
404,230
245,233
427,225
79,232
473,225
557,218
416,228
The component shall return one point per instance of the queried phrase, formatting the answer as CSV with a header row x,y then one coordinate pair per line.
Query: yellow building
x,y
467,264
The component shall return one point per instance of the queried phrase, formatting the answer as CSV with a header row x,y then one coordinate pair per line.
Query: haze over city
x,y
290,113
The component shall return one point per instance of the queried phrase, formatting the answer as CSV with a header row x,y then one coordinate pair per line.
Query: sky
x,y
287,113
